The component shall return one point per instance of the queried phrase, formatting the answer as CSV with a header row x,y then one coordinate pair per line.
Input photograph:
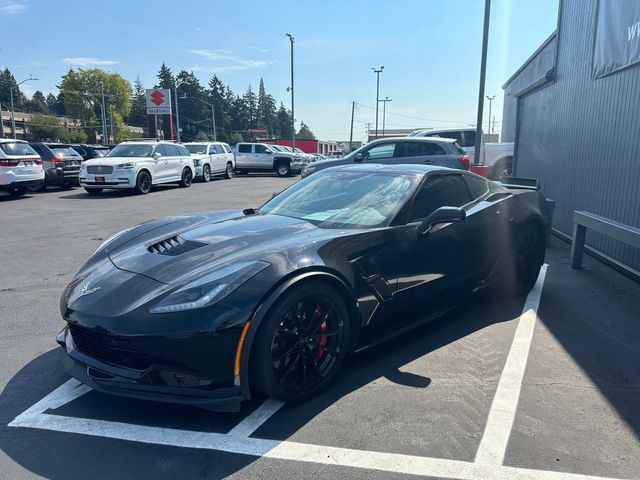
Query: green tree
x,y
267,111
82,95
250,107
194,115
8,82
304,133
138,115
165,78
55,105
284,122
38,103
46,127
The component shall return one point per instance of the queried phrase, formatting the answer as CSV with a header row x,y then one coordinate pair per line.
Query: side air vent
x,y
174,246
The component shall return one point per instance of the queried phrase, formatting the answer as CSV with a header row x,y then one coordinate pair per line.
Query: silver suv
x,y
261,157
444,152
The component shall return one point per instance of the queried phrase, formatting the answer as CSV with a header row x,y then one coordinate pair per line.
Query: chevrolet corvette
x,y
207,308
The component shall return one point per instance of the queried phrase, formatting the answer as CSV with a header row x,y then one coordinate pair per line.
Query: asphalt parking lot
x,y
544,387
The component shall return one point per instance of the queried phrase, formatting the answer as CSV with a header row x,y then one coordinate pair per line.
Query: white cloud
x,y
226,61
87,61
260,49
13,8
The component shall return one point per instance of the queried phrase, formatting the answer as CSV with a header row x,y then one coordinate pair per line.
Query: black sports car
x,y
201,308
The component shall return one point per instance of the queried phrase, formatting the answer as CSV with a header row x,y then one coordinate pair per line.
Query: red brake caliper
x,y
318,353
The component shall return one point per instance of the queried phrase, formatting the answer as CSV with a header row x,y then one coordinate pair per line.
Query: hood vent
x,y
174,246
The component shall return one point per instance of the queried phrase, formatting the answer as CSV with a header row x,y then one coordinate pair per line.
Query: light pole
x,y
175,90
293,115
104,115
384,111
377,71
490,100
483,70
213,114
13,113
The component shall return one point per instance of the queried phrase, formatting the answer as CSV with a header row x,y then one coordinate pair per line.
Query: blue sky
x,y
430,50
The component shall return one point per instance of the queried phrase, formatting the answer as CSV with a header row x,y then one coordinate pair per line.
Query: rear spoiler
x,y
520,182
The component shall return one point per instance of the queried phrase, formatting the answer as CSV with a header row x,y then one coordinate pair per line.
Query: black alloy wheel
x,y
528,259
228,173
206,173
17,191
143,182
301,344
187,178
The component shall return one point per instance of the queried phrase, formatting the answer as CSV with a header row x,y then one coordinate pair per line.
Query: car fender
x,y
268,301
277,160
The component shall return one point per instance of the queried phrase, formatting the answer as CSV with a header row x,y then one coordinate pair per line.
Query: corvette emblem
x,y
87,291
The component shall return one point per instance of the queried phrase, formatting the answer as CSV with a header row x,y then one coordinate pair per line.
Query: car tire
x,y
283,169
292,359
93,191
503,168
187,178
143,183
17,191
228,173
206,173
524,265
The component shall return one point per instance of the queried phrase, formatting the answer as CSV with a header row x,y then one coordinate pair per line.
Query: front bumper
x,y
296,167
158,380
117,179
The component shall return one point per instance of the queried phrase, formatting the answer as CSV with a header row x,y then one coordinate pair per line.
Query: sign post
x,y
158,101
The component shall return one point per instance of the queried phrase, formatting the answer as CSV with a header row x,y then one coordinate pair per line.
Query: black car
x,y
200,308
60,162
90,151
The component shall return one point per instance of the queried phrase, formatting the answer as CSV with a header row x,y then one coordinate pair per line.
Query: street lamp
x,y
490,100
293,115
213,114
384,111
13,113
104,114
175,89
377,71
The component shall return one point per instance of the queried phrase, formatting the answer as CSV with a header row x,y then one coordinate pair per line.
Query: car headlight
x,y
82,166
111,239
125,166
196,162
210,288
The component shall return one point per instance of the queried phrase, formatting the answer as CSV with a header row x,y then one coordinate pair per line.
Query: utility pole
x,y
113,132
368,125
377,71
384,112
104,115
1,123
13,113
490,101
483,72
175,90
293,114
353,109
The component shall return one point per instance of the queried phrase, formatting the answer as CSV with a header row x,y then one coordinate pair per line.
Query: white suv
x,y
138,164
211,159
20,167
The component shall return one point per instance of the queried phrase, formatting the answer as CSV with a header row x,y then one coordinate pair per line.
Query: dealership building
x,y
573,112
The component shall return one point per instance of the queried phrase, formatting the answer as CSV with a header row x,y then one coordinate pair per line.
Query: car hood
x,y
178,249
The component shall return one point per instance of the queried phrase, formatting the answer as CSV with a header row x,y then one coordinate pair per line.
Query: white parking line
x,y
488,463
503,409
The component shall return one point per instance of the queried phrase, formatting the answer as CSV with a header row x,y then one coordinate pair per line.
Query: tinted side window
x,y
212,149
218,149
437,149
415,149
262,149
477,186
244,148
182,151
160,148
172,150
469,139
439,191
227,148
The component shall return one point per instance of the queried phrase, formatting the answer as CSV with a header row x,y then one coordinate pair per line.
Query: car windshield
x,y
130,150
17,148
101,152
344,199
196,148
65,152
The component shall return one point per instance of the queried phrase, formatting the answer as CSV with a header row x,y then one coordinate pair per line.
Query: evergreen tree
x,y
304,133
217,96
267,112
165,78
8,82
138,115
37,104
55,105
284,122
251,107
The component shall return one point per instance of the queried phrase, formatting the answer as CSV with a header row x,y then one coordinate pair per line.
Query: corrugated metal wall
x,y
581,137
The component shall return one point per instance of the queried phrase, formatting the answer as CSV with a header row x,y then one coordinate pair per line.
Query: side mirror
x,y
156,155
358,158
441,215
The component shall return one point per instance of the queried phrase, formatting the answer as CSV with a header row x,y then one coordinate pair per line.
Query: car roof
x,y
12,140
414,139
405,168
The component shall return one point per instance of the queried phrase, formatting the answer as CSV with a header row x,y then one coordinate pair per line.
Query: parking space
x,y
546,387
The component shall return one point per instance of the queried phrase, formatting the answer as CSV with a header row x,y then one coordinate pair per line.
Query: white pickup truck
x,y
261,157
497,156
